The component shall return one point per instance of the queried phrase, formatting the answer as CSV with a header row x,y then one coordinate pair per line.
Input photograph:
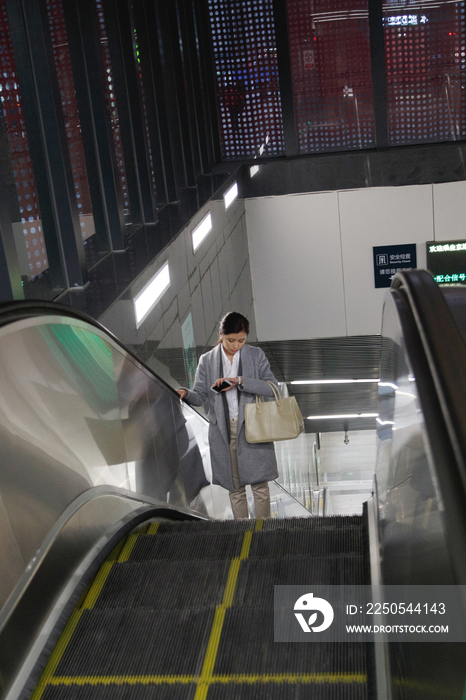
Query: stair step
x,y
137,642
166,585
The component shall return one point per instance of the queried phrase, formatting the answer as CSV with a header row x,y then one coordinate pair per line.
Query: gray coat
x,y
256,462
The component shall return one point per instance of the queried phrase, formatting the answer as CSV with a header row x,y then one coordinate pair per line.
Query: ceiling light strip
x,y
335,381
344,415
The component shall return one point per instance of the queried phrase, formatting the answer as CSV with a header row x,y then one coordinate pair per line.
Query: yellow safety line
x,y
231,583
120,680
291,678
246,545
128,548
97,585
219,618
57,654
115,553
90,600
224,679
152,529
259,525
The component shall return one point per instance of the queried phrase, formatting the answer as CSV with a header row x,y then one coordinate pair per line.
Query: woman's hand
x,y
234,381
182,393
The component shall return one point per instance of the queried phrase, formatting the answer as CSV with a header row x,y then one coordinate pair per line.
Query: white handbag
x,y
270,421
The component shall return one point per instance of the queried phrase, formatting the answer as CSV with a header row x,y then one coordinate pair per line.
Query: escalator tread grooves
x,y
137,643
241,651
216,691
154,615
203,525
333,691
187,546
147,584
120,692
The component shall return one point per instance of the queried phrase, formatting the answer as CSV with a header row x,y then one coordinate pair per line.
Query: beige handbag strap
x,y
276,393
275,390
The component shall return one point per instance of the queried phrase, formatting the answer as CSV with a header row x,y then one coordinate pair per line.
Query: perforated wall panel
x,y
248,93
111,106
142,97
425,61
69,105
29,238
331,68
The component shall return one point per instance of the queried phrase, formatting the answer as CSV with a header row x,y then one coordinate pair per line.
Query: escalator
x,y
122,580
206,590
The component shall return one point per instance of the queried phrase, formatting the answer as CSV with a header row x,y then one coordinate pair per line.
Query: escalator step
x,y
321,523
247,647
286,543
183,546
287,691
120,692
311,523
202,525
137,642
216,691
257,577
167,586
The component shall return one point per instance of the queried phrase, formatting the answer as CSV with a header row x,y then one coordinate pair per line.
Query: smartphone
x,y
222,386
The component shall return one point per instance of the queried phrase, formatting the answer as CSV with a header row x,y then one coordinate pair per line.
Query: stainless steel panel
x,y
412,530
78,413
9,552
410,503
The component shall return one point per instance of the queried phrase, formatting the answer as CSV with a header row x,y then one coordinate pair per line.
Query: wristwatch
x,y
240,381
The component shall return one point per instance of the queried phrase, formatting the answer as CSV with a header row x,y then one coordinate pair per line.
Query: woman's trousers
x,y
238,499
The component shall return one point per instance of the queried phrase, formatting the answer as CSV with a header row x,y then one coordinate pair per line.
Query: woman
x,y
235,462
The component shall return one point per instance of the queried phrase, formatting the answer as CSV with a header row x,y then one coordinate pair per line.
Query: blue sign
x,y
390,259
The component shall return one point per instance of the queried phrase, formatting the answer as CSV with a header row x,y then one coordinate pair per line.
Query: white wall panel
x,y
375,217
450,210
296,266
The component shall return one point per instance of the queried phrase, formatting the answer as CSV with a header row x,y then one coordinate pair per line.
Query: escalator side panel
x,y
417,486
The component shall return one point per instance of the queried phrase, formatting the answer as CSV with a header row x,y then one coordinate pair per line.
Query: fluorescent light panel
x,y
345,415
230,195
201,231
147,298
253,170
334,381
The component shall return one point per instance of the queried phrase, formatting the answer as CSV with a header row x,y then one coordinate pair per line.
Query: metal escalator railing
x,y
437,354
91,443
420,469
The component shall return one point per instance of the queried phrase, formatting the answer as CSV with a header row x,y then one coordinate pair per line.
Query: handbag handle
x,y
276,393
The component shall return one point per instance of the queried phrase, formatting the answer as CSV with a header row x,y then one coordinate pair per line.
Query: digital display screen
x,y
446,261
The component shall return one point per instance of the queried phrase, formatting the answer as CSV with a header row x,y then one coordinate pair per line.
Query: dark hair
x,y
233,322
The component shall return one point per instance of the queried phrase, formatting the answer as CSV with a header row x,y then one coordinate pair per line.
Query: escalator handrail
x,y
445,352
13,311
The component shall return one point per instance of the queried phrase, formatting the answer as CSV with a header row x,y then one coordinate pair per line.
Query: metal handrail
x,y
439,347
13,311
445,352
